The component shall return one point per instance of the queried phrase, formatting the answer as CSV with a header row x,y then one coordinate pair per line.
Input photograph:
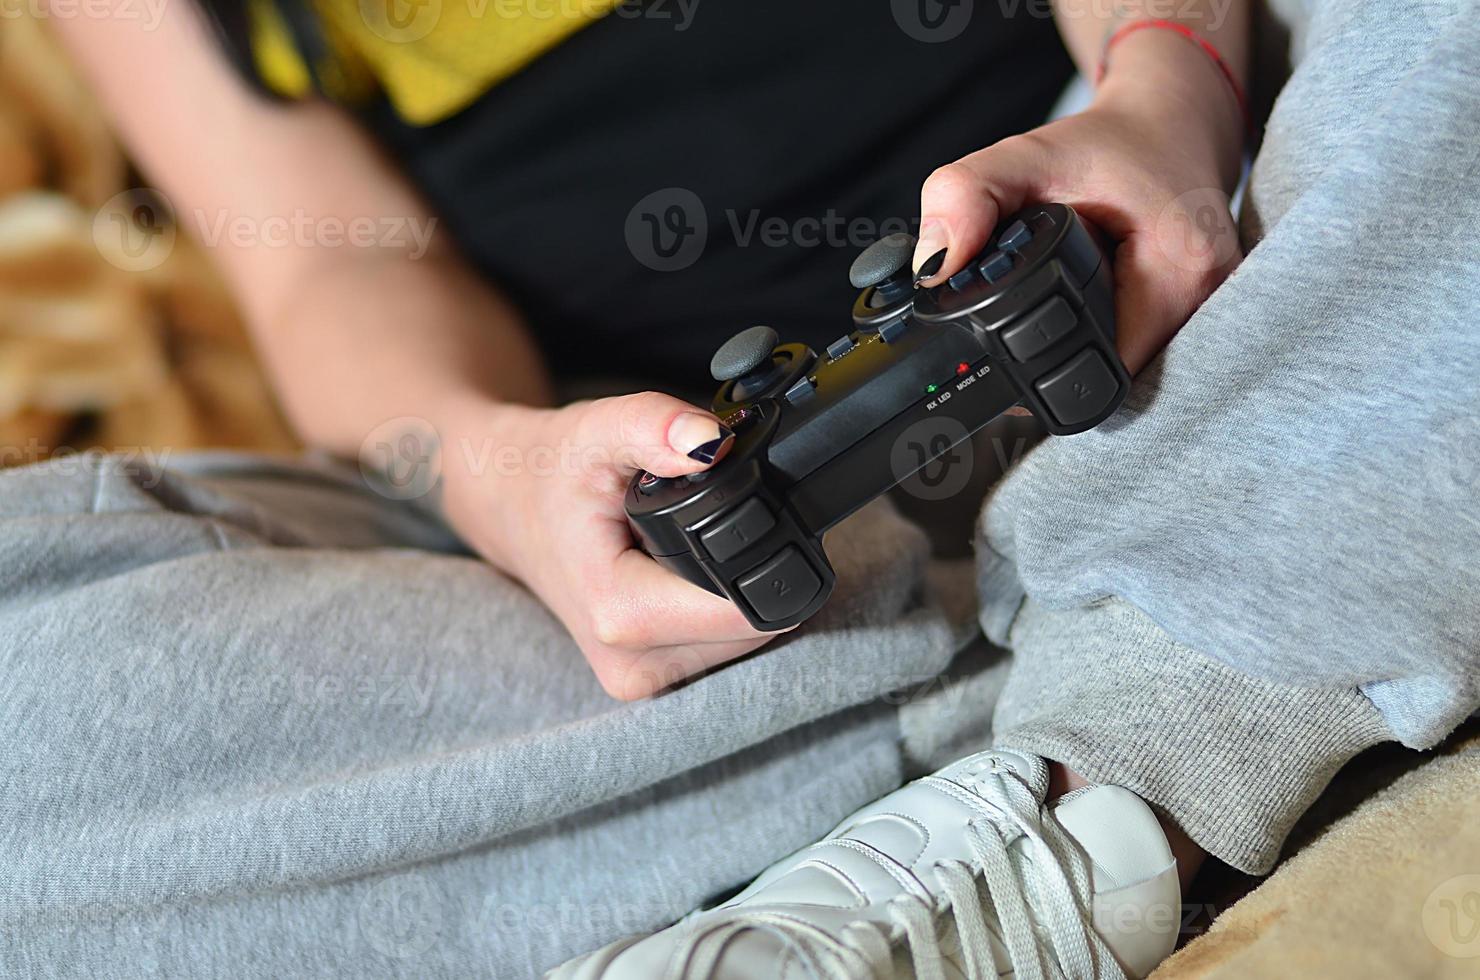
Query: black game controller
x,y
1030,321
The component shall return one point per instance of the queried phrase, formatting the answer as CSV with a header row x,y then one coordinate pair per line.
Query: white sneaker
x,y
965,873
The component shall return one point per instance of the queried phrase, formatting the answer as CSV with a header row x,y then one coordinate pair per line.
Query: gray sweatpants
x,y
257,720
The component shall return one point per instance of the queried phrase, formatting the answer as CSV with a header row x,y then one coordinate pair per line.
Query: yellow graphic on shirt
x,y
430,57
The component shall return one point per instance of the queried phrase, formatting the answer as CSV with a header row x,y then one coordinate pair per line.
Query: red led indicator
x,y
962,368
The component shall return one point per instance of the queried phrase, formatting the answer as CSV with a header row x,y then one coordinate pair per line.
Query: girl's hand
x,y
1149,163
539,493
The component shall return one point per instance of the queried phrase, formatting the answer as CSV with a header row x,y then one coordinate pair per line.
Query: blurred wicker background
x,y
91,354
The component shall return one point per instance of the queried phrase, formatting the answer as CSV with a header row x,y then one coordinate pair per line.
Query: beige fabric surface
x,y
95,355
1391,889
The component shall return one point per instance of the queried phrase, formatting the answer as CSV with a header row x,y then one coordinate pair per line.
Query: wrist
x,y
478,432
1165,81
483,450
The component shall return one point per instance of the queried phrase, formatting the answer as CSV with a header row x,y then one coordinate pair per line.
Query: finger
x,y
654,629
1154,298
961,203
646,605
650,431
642,675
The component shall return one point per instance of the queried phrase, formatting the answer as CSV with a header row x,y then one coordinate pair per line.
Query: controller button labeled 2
x,y
737,530
1079,389
781,586
1039,330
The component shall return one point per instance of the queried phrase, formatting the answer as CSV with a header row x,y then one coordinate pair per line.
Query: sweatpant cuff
x,y
1232,759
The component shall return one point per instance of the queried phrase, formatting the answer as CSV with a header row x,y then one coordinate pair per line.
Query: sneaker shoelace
x,y
1045,881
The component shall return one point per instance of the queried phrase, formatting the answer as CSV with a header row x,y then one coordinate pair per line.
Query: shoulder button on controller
x,y
737,530
891,331
781,586
801,391
995,266
1039,330
1015,238
1079,389
962,279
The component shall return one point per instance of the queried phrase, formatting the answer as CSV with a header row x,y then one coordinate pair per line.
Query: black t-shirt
x,y
643,192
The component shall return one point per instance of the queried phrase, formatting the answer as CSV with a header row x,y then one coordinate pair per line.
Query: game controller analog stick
x,y
1029,321
750,365
748,360
885,267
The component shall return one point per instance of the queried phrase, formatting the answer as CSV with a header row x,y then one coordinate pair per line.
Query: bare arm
x,y
1151,162
358,336
1160,61
352,334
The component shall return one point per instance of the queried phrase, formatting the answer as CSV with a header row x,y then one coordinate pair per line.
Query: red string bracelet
x,y
1195,38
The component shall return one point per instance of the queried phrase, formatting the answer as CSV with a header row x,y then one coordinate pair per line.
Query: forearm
x,y
354,330
1157,65
359,341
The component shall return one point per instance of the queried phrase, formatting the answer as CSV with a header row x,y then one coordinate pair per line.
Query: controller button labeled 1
x,y
781,586
1039,330
1079,389
737,530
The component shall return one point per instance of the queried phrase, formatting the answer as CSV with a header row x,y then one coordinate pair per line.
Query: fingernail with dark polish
x,y
714,448
931,266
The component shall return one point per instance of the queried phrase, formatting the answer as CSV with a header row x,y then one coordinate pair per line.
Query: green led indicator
x,y
931,389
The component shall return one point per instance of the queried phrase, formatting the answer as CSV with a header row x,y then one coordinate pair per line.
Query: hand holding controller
x,y
1028,322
